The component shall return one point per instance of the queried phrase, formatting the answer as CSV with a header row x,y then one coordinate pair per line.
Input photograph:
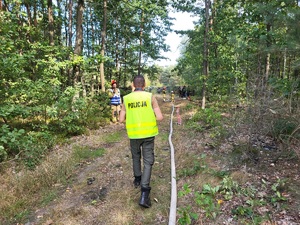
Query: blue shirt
x,y
116,99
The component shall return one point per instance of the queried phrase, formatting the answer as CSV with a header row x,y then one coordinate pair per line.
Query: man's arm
x,y
122,114
156,109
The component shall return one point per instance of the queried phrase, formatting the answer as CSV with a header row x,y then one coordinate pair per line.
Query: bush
x,y
205,119
99,112
283,128
38,143
72,116
11,141
28,146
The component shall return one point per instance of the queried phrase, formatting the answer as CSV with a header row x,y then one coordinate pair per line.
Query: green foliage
x,y
205,119
27,146
199,165
211,198
283,127
228,184
186,216
277,188
98,112
71,115
189,107
68,116
243,33
219,173
243,211
229,187
114,137
11,141
37,145
84,153
21,215
186,190
207,202
3,153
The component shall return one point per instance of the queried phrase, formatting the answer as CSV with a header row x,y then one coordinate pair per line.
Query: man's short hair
x,y
139,81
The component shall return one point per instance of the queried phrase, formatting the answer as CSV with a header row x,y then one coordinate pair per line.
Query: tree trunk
x,y
2,5
27,6
95,80
125,63
103,37
205,53
79,29
28,13
35,23
268,57
267,67
69,34
141,42
59,24
284,64
70,23
50,23
79,39
118,74
214,44
87,23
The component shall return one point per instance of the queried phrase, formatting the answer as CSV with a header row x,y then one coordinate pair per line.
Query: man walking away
x,y
141,111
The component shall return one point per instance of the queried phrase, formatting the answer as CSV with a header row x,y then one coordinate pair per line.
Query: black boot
x,y
137,181
145,198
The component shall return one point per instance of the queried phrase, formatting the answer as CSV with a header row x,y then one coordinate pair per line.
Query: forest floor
x,y
263,187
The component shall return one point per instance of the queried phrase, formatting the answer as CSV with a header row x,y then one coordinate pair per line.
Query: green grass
x,y
36,186
84,153
114,137
48,197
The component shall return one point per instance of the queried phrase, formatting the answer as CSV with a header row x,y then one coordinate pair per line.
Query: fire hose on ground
x,y
173,203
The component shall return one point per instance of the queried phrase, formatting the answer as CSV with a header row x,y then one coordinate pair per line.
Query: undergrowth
x,y
254,203
211,201
28,139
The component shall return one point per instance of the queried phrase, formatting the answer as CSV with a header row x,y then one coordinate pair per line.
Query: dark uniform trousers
x,y
142,147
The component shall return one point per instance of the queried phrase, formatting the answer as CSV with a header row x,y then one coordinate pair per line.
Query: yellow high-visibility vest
x,y
140,117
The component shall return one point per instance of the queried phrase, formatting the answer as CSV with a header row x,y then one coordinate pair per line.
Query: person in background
x,y
184,92
141,111
180,91
172,96
164,91
115,101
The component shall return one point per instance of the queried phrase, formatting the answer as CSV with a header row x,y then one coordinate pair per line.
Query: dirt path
x,y
111,198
